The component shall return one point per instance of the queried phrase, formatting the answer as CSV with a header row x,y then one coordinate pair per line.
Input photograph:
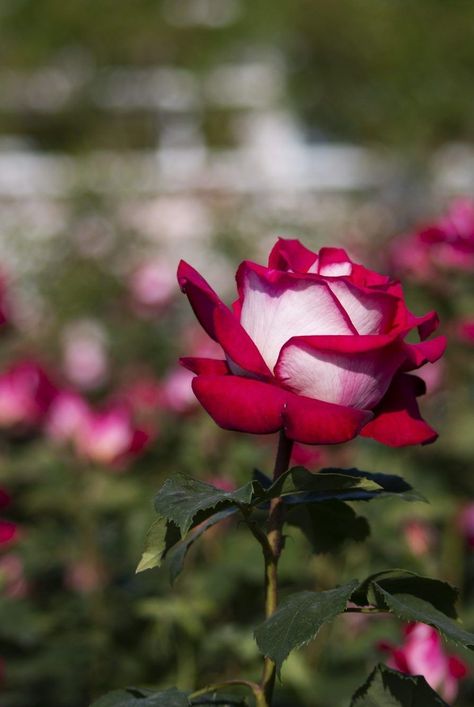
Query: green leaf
x,y
185,501
414,598
155,545
389,688
328,525
298,620
132,697
410,608
440,594
177,554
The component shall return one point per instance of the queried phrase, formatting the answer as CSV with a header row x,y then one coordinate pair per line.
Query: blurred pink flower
x,y
84,576
465,522
85,359
422,653
465,330
68,412
305,455
445,244
8,530
143,396
26,393
152,285
12,579
432,374
109,436
176,392
420,536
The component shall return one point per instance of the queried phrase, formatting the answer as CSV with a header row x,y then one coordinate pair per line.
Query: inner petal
x,y
353,380
369,313
274,312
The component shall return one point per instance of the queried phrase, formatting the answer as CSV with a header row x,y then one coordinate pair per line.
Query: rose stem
x,y
275,547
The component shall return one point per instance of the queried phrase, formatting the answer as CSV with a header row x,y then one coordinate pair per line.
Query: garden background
x,y
136,134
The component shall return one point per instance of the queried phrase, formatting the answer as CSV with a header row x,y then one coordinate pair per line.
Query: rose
x,y
422,653
314,345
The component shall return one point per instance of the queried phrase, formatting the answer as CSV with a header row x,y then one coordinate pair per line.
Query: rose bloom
x,y
109,437
26,393
422,653
447,243
315,346
68,412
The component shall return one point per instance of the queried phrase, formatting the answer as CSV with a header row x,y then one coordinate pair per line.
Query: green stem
x,y
272,552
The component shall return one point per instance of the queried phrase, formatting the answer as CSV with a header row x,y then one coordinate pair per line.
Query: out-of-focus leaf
x,y
143,698
328,525
298,620
389,688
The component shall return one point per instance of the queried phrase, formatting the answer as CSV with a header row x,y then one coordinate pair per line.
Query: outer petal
x,y
243,355
356,375
397,421
315,422
290,254
241,404
202,366
201,296
426,324
425,352
278,305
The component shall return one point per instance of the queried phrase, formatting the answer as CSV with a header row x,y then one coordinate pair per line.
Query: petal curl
x,y
201,296
424,352
290,254
203,366
333,262
397,421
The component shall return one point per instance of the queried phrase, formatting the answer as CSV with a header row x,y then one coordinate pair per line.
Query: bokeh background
x,y
133,134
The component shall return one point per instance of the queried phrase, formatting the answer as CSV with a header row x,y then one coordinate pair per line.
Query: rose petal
x,y
316,422
277,306
242,404
290,254
352,378
397,420
424,352
370,312
243,355
201,296
212,366
333,262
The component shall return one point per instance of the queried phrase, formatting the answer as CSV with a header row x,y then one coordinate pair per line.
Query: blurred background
x,y
136,134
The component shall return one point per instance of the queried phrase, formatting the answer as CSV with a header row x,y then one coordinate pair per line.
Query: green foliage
x,y
414,598
298,620
328,525
389,688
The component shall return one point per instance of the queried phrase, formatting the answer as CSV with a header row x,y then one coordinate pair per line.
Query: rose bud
x,y
315,346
